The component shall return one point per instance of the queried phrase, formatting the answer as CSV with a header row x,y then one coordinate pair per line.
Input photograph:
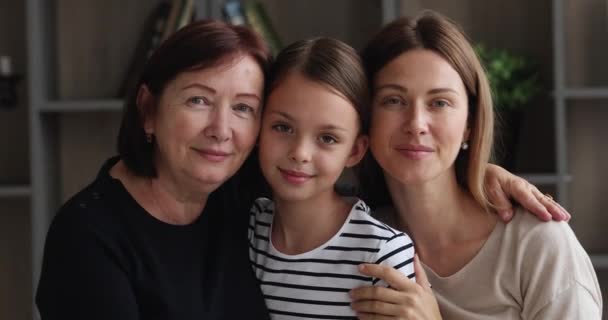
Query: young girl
x,y
308,241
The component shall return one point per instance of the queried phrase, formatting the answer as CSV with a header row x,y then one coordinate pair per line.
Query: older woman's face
x,y
419,117
207,122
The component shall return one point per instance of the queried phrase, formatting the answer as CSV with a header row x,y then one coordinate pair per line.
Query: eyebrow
x,y
404,89
204,87
325,127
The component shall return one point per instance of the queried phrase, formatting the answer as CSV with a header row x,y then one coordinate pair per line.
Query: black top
x,y
105,257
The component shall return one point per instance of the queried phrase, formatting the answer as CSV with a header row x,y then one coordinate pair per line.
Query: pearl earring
x,y
464,146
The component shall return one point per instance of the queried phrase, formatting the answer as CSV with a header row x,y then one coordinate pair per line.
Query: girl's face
x,y
207,122
419,117
309,134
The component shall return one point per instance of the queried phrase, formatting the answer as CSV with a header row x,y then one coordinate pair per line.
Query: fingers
x,y
377,293
557,212
499,199
393,277
529,197
371,316
421,277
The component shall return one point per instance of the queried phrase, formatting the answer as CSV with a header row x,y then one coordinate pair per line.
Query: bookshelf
x,y
77,51
14,191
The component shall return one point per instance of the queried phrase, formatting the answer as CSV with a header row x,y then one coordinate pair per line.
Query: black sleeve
x,y
81,276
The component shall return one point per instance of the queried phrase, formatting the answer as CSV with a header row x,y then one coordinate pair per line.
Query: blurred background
x,y
66,64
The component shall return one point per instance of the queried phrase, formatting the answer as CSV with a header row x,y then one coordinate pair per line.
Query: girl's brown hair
x,y
432,31
330,62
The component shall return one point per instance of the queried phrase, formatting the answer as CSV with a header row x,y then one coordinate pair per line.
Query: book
x,y
150,39
185,15
176,6
233,13
260,22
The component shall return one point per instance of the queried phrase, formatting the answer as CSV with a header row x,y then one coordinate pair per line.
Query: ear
x,y
358,151
145,105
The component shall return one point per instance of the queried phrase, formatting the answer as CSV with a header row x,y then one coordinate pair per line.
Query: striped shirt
x,y
315,284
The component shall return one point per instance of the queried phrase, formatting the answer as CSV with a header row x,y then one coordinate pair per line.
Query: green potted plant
x,y
514,81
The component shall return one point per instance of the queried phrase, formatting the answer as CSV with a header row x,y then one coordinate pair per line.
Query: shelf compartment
x,y
13,191
545,178
586,93
600,261
112,105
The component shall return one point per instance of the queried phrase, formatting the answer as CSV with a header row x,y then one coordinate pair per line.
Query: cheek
x,y
381,130
246,133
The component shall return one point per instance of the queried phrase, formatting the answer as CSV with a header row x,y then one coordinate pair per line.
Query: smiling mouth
x,y
415,153
212,155
294,177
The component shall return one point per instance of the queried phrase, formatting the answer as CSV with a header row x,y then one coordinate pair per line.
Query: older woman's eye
x,y
198,101
244,108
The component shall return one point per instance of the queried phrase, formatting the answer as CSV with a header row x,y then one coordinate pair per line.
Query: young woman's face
x,y
309,134
419,117
207,122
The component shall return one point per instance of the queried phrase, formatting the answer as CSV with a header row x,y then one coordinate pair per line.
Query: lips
x,y
295,177
415,152
213,155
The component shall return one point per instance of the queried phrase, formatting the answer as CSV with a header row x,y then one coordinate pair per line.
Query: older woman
x,y
152,237
431,136
161,232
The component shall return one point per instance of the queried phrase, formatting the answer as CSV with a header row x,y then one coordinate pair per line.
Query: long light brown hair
x,y
432,31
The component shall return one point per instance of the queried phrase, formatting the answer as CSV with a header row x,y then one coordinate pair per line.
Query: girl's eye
x,y
244,108
198,101
282,128
327,139
440,103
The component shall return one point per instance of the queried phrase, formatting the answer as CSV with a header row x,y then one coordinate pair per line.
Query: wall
x,y
15,269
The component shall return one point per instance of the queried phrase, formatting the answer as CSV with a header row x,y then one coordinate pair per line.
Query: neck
x,y
301,226
439,214
163,197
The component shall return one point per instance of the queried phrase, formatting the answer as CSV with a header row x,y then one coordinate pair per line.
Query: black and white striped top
x,y
315,284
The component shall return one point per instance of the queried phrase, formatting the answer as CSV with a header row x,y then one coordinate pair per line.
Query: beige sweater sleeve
x,y
576,302
557,277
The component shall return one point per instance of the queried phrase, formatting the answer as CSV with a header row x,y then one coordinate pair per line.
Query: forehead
x,y
241,71
298,95
419,68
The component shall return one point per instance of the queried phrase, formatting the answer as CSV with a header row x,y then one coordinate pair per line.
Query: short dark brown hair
x,y
433,31
330,62
200,45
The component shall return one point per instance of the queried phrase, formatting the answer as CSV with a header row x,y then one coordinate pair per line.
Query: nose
x,y
415,122
300,152
218,127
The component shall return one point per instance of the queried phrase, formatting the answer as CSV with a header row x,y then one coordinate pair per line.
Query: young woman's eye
x,y
440,103
392,101
198,101
327,139
282,128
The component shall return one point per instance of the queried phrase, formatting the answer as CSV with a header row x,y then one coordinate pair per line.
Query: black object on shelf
x,y
8,84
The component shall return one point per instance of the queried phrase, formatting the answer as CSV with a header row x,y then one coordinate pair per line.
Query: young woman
x,y
431,137
307,242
